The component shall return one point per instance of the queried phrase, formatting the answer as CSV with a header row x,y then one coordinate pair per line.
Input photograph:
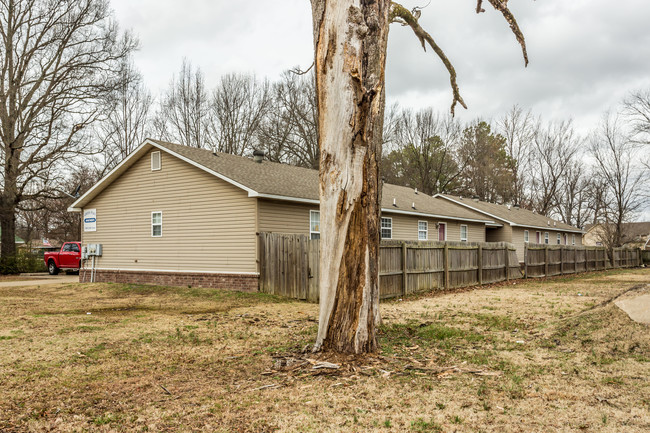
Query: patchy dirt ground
x,y
534,356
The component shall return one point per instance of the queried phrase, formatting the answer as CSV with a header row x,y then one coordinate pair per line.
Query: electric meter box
x,y
95,250
84,252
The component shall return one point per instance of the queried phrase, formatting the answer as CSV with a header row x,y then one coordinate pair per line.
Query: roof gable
x,y
280,181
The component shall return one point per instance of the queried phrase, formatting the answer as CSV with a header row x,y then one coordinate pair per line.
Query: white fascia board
x,y
547,228
386,210
473,208
75,207
430,215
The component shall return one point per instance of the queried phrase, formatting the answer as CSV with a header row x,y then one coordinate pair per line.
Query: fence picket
x,y
289,264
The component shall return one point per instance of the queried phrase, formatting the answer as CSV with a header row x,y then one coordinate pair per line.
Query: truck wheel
x,y
51,268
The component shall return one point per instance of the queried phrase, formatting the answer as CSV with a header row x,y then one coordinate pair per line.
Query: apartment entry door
x,y
442,232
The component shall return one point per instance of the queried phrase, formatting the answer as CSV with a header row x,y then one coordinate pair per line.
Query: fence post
x,y
546,260
404,269
445,260
561,260
480,264
525,260
507,262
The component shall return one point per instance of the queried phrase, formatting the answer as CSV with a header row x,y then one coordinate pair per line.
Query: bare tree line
x,y
519,158
240,114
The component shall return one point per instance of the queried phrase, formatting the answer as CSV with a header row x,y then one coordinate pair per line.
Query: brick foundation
x,y
241,282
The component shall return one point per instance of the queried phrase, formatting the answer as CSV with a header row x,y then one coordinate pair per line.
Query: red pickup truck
x,y
69,258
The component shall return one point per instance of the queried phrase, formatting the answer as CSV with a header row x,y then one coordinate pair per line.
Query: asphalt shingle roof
x,y
271,178
520,217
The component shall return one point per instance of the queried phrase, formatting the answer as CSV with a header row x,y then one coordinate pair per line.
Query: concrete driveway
x,y
41,280
637,307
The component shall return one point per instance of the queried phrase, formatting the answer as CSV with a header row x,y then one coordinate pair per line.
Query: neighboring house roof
x,y
510,214
18,239
281,181
631,232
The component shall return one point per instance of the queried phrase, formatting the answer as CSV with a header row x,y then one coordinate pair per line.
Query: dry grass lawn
x,y
535,356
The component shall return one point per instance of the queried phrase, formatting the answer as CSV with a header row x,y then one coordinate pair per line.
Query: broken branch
x,y
400,14
502,6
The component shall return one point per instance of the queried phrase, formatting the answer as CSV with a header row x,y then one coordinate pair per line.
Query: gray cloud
x,y
585,55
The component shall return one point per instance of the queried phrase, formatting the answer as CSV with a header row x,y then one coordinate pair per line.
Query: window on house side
x,y
559,239
573,239
156,161
463,233
526,236
314,224
156,224
387,228
546,237
423,230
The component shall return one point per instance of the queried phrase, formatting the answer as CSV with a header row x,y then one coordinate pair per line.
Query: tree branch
x,y
502,6
400,14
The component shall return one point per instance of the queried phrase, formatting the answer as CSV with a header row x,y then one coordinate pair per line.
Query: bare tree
x,y
290,130
126,123
183,114
554,149
58,59
425,145
636,110
518,128
575,195
238,107
350,39
616,157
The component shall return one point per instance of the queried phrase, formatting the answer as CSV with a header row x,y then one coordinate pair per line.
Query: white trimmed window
x,y
546,237
526,236
463,233
156,161
573,239
559,239
423,230
314,224
156,224
386,228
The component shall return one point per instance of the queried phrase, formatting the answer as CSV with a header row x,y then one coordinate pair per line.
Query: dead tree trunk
x,y
350,41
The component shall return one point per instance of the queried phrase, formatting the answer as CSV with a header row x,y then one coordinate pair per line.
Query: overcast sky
x,y
585,55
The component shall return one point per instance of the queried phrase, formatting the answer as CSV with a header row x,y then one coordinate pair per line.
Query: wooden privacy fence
x,y
289,265
645,256
541,260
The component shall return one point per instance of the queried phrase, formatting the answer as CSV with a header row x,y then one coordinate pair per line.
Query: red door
x,y
442,232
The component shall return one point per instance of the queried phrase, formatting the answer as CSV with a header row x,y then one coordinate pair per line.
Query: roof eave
x,y
473,208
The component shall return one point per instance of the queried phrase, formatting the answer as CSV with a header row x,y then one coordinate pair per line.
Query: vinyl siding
x,y
283,217
518,238
405,227
208,224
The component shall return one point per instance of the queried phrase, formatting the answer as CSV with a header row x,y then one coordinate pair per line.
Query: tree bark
x,y
350,42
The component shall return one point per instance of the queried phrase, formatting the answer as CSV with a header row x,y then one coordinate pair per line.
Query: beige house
x,y
519,226
172,214
634,235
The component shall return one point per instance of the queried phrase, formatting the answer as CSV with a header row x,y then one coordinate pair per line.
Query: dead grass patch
x,y
530,356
